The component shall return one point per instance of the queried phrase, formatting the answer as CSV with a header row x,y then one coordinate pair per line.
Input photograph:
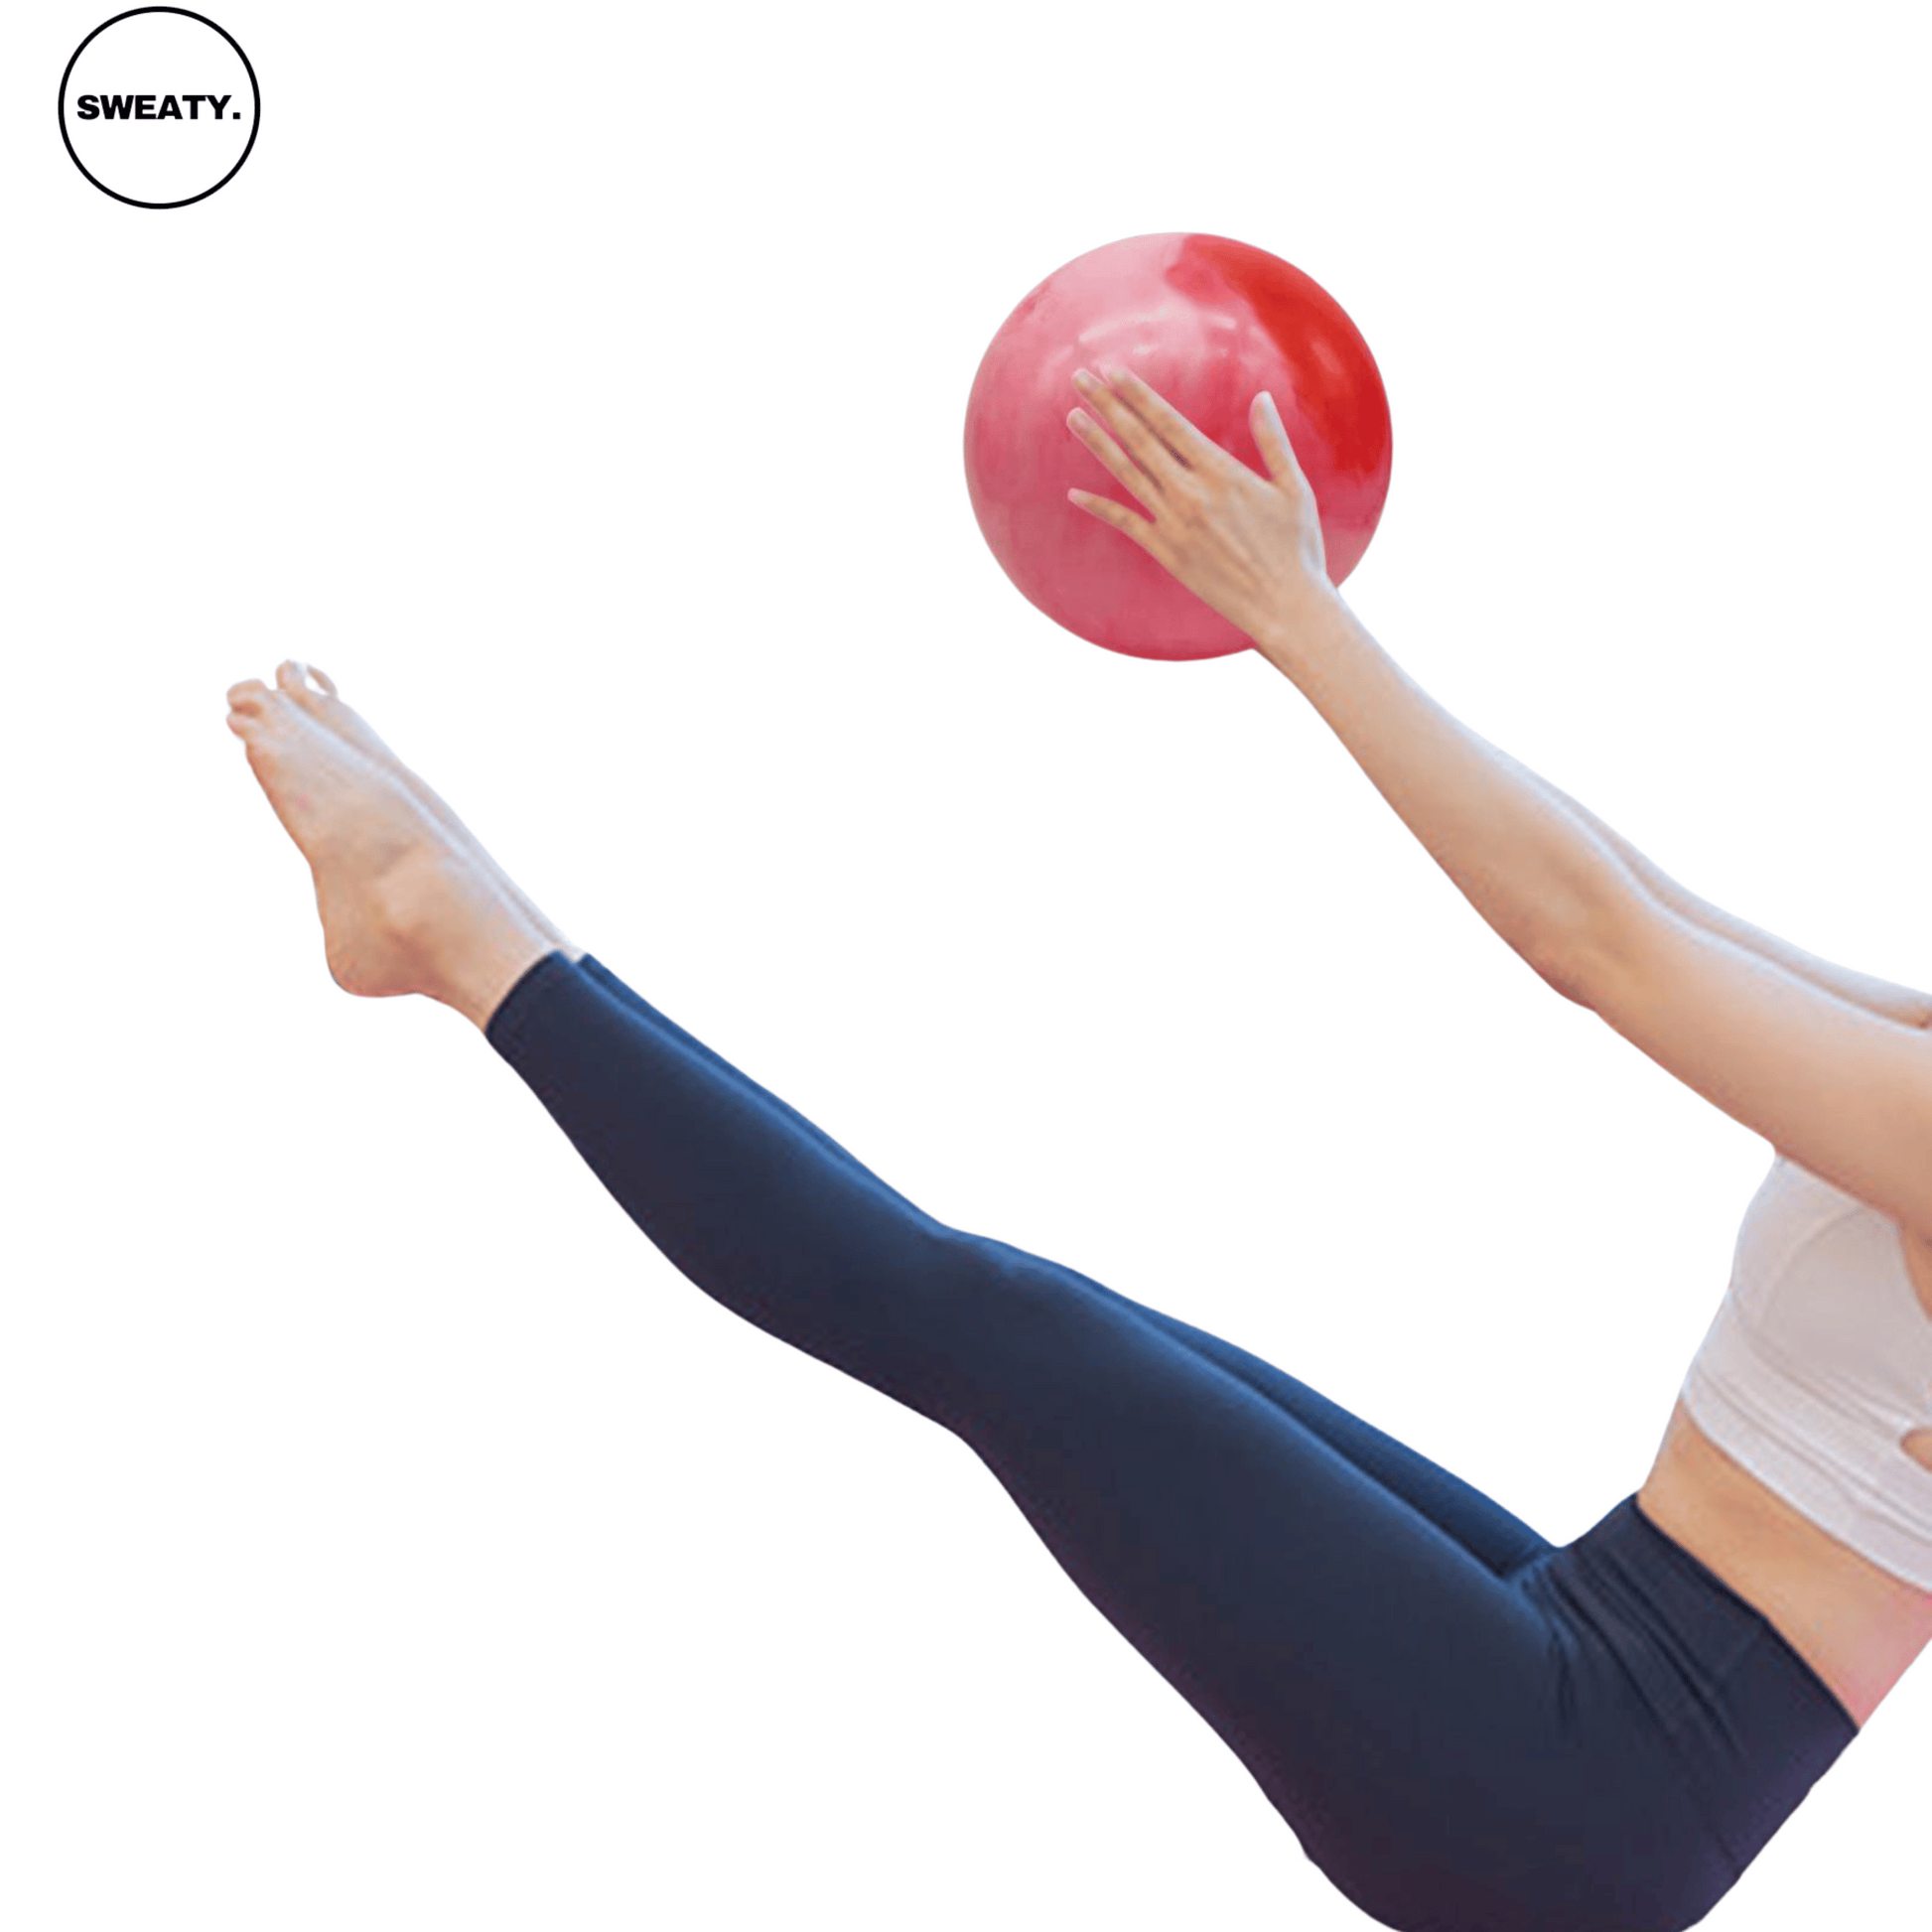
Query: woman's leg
x,y
1498,1540
1404,1706
1491,1533
1394,1697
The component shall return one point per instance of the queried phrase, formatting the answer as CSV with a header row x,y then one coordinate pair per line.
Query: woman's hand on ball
x,y
1248,546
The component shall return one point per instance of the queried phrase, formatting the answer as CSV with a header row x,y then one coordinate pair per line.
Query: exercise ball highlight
x,y
1207,323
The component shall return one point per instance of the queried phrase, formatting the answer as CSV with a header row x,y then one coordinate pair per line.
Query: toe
x,y
308,687
247,695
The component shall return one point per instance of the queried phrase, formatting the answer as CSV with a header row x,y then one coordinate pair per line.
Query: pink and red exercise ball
x,y
1209,323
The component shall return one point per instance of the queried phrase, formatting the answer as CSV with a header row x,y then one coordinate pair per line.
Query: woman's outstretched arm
x,y
1420,748
1532,860
1839,1088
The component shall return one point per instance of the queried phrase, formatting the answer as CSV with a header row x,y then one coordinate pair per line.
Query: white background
x,y
389,1537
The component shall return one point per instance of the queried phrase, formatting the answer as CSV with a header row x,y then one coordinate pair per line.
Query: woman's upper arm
x,y
1885,997
1836,1087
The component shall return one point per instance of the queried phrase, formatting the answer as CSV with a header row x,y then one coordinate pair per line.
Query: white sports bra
x,y
1818,1363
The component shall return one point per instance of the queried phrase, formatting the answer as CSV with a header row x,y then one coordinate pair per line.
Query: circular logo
x,y
159,107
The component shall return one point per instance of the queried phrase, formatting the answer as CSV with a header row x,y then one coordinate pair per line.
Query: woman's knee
x,y
977,1329
1010,1299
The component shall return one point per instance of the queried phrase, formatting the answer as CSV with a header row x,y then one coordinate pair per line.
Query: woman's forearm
x,y
1541,876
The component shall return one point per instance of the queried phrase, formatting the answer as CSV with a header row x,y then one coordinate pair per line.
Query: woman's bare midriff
x,y
1858,1626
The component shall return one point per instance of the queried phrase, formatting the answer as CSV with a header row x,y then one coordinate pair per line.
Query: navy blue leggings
x,y
1467,1728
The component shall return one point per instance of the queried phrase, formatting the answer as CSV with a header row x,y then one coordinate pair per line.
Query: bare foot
x,y
406,905
323,702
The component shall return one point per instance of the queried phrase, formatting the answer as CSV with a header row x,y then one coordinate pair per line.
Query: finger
x,y
1160,415
1147,449
1271,438
1118,514
1126,471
